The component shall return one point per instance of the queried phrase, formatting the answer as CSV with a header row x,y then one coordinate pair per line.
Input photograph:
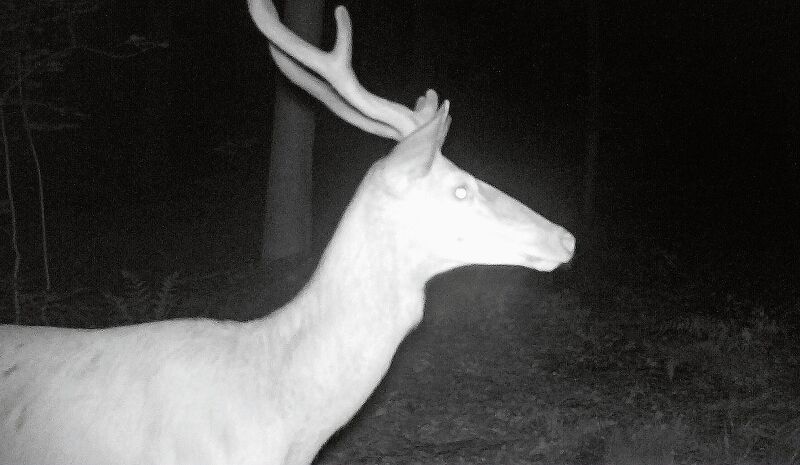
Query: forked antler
x,y
340,90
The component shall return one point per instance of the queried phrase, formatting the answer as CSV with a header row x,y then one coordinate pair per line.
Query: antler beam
x,y
339,89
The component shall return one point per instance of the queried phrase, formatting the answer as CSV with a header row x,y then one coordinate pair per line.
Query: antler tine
x,y
342,93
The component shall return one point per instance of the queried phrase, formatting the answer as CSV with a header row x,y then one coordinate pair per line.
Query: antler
x,y
342,93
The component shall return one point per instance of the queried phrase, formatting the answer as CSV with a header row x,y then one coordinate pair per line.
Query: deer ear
x,y
413,157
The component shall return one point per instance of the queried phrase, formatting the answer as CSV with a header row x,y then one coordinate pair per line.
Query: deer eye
x,y
461,192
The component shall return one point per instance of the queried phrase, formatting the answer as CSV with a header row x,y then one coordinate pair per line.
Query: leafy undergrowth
x,y
509,368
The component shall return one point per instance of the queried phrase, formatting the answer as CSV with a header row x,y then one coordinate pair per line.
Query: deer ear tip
x,y
341,13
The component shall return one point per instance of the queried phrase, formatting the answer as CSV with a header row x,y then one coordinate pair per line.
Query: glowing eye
x,y
461,192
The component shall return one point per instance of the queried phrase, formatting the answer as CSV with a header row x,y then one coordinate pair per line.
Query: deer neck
x,y
338,336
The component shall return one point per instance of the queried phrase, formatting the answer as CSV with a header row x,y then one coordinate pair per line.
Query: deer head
x,y
446,214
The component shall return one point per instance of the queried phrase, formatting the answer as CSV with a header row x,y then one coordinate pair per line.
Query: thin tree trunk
x,y
287,219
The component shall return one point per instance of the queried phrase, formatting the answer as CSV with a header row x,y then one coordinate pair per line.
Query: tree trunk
x,y
287,219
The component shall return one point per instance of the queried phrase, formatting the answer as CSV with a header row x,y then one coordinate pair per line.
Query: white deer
x,y
273,390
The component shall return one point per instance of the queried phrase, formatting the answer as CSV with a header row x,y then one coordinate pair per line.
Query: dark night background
x,y
698,155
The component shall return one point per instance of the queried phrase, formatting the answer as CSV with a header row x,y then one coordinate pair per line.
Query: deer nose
x,y
568,242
